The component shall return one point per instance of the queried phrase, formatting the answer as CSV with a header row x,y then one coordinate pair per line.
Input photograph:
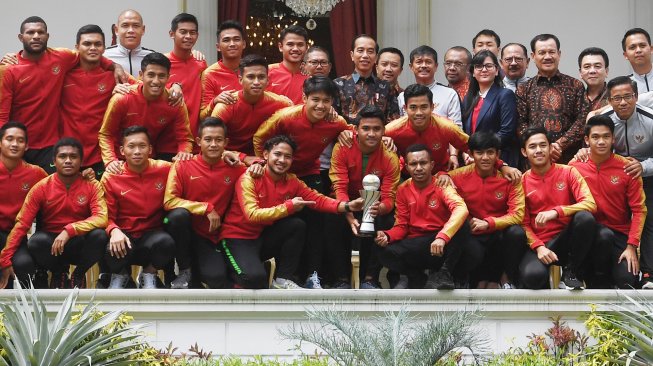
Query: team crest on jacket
x,y
433,204
376,172
56,69
162,120
614,179
81,199
639,138
436,146
498,195
101,87
24,186
325,140
560,186
227,180
159,186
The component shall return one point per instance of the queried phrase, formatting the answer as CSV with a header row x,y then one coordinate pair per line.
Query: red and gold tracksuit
x,y
216,79
283,82
14,186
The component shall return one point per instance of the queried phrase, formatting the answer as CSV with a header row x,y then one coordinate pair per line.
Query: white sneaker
x,y
183,279
647,285
147,281
508,286
402,284
118,281
285,284
313,282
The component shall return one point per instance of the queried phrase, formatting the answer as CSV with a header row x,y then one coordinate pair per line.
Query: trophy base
x,y
367,230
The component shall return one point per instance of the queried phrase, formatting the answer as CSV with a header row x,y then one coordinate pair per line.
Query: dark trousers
x,y
572,247
21,261
42,157
412,256
490,255
609,245
646,245
282,241
340,241
83,251
178,225
313,252
154,248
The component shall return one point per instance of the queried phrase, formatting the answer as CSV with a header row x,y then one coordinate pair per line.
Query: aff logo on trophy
x,y
370,194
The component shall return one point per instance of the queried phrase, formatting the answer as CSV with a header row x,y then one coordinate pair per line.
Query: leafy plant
x,y
392,339
88,337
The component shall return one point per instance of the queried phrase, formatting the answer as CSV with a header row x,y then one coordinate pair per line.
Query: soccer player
x,y
496,210
85,96
254,105
309,124
622,209
220,80
30,91
198,193
559,226
430,231
72,217
147,106
260,223
421,126
367,155
16,179
135,205
186,71
286,77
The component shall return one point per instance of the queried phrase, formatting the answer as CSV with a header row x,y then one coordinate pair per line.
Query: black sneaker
x,y
40,278
77,280
59,280
440,280
571,281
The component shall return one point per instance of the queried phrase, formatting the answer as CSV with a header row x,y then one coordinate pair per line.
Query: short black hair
x,y
461,49
394,50
599,120
632,31
32,19
594,51
13,124
155,58
68,141
423,50
318,84
417,90
532,131
211,122
316,49
230,24
544,37
514,44
416,148
483,140
489,33
252,60
279,139
294,29
363,35
621,80
89,29
371,111
183,18
132,130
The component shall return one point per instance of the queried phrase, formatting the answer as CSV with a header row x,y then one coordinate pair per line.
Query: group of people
x,y
205,172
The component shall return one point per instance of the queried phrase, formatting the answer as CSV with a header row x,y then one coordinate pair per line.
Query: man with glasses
x,y
424,64
456,61
514,62
553,100
633,138
316,62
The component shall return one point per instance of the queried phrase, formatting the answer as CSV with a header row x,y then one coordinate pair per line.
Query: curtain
x,y
233,9
348,19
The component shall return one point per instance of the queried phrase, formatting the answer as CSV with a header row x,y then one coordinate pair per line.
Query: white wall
x,y
65,17
578,24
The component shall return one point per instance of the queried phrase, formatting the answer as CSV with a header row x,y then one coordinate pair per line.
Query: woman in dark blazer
x,y
490,107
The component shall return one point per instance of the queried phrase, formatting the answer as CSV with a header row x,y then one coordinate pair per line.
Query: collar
x,y
4,170
356,76
556,76
125,50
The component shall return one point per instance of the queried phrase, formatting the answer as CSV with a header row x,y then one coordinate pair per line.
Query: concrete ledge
x,y
245,322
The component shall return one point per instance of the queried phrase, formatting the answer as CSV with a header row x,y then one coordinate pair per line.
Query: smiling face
x,y
136,149
623,100
278,159
34,38
130,29
486,72
546,57
154,78
185,37
364,55
370,132
593,70
537,151
231,44
13,144
317,105
419,111
293,46
514,62
212,141
424,68
389,67
317,63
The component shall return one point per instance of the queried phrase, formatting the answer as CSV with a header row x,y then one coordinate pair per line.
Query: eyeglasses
x,y
510,60
619,98
488,67
315,63
457,64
